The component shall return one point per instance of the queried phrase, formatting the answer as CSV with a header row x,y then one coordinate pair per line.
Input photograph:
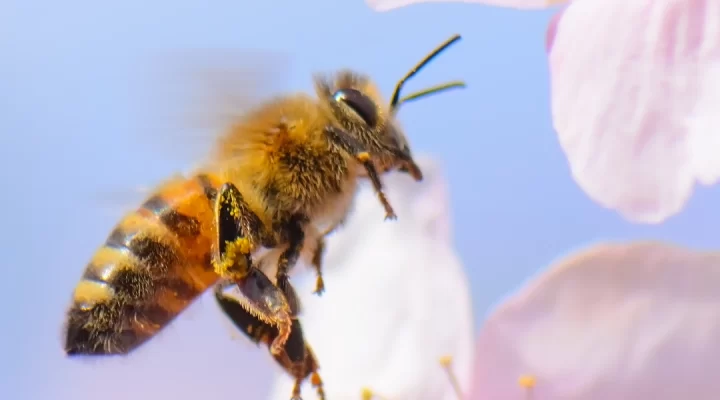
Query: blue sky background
x,y
76,113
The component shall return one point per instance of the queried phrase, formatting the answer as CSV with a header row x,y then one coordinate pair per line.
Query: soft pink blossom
x,y
615,321
386,5
635,100
635,97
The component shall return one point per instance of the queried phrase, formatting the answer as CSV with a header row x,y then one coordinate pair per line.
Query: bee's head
x,y
356,106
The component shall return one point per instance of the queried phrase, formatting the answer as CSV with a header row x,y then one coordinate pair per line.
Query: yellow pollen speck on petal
x,y
527,381
367,394
445,361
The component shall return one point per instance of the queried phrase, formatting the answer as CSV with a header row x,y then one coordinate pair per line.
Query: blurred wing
x,y
119,200
195,95
191,97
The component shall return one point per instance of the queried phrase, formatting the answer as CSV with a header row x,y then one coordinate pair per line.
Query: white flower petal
x,y
634,99
396,299
616,321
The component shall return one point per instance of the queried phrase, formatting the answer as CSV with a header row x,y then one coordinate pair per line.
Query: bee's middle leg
x,y
295,237
317,265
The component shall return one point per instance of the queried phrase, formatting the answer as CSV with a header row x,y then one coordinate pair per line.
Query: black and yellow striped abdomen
x,y
153,265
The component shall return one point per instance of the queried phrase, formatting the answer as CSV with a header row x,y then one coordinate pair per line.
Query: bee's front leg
x,y
352,146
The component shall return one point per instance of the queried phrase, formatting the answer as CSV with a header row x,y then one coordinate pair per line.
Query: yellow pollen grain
x,y
242,246
363,157
234,249
445,361
527,381
367,394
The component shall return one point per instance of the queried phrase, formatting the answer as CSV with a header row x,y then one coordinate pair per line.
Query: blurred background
x,y
78,126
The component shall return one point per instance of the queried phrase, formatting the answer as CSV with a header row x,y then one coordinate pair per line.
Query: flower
x,y
396,301
387,5
635,89
614,321
635,99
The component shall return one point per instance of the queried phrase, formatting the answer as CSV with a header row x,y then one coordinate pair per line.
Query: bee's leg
x,y
295,238
243,314
295,363
364,158
258,306
259,296
317,383
352,146
311,366
234,243
293,356
408,165
317,259
317,264
235,309
296,389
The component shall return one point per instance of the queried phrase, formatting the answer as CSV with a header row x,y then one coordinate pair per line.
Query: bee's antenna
x,y
396,101
431,90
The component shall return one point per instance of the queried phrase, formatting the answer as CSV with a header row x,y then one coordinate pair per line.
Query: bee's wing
x,y
117,200
189,98
194,96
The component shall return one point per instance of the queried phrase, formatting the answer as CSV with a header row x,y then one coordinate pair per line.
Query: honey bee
x,y
298,359
283,176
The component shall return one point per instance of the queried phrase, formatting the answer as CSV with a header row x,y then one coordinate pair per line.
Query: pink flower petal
x,y
552,30
635,100
616,321
387,5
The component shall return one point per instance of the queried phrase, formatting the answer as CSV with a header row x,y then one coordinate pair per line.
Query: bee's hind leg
x,y
237,228
296,395
317,382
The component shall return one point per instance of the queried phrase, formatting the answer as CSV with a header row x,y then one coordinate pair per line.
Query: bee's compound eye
x,y
359,103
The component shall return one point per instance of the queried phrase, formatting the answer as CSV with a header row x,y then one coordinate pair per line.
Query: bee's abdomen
x,y
139,280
